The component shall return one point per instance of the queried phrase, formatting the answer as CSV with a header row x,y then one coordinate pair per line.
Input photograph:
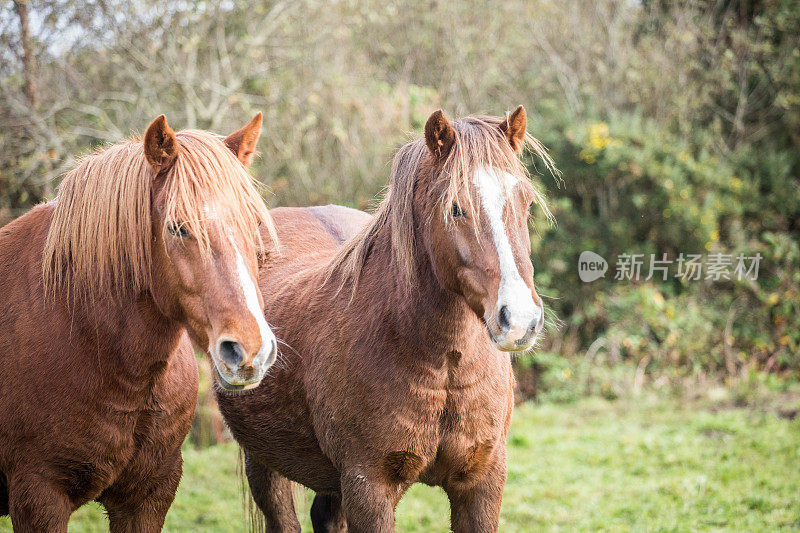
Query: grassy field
x,y
591,465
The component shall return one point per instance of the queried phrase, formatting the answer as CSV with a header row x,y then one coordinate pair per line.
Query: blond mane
x,y
99,241
479,143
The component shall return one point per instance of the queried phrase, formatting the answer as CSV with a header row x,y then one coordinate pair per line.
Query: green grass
x,y
591,465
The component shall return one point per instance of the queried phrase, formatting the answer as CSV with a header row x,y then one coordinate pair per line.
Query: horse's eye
x,y
262,257
457,211
177,230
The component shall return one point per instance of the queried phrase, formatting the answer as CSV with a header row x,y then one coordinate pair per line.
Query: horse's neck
x,y
134,338
429,316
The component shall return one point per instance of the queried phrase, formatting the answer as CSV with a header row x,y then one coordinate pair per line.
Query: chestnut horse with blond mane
x,y
396,328
146,241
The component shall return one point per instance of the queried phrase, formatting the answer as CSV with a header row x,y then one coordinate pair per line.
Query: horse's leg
x,y
327,515
475,500
368,503
273,495
142,505
36,505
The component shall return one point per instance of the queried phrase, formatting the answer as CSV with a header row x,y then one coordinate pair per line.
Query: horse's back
x,y
21,244
307,231
341,222
22,309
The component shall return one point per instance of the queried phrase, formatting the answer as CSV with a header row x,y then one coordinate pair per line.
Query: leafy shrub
x,y
631,186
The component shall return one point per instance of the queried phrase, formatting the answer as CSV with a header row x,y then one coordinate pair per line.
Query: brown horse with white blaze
x,y
396,329
147,240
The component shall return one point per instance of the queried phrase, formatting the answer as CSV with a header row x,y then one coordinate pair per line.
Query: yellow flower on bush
x,y
587,156
658,299
598,136
597,141
599,129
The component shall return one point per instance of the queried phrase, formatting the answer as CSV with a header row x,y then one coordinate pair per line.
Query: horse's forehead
x,y
210,211
494,186
221,232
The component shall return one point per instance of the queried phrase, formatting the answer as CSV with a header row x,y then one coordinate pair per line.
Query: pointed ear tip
x,y
255,123
156,120
159,123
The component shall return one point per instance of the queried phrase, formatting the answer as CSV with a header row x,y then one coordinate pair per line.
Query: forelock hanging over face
x,y
480,144
99,241
208,182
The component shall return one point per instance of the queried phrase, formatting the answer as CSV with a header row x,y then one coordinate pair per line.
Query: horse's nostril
x,y
538,322
231,352
247,371
503,317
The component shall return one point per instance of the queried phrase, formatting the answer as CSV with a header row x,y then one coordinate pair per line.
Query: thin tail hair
x,y
253,515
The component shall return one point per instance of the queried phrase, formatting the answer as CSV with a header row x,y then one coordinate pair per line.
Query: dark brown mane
x,y
479,143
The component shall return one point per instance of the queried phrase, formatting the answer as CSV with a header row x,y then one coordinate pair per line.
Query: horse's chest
x,y
471,426
105,450
466,431
476,400
128,440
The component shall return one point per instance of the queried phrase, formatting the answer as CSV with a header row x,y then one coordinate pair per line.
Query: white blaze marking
x,y
210,211
251,300
493,186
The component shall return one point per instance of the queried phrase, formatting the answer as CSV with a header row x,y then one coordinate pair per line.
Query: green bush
x,y
631,186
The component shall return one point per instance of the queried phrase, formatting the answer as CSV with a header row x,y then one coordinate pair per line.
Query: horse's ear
x,y
514,127
439,134
160,144
243,142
